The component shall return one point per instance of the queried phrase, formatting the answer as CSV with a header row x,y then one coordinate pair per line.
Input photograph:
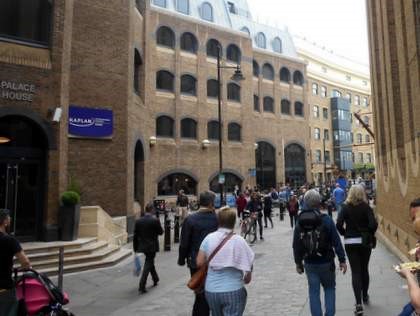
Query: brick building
x,y
135,84
394,36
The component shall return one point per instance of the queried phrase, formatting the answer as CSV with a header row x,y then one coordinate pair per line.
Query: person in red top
x,y
240,204
293,208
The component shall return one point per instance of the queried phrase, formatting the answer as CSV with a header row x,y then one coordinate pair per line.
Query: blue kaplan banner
x,y
88,122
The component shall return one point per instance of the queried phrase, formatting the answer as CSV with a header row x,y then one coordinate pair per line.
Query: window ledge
x,y
269,114
165,140
187,97
284,84
255,78
298,87
268,81
19,54
212,100
212,60
164,94
189,141
188,55
236,104
165,49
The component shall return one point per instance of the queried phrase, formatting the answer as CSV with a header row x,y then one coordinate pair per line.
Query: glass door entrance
x,y
21,193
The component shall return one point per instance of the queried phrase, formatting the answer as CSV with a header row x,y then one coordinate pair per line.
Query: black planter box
x,y
69,218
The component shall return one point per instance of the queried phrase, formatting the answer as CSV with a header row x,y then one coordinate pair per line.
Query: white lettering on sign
x,y
17,91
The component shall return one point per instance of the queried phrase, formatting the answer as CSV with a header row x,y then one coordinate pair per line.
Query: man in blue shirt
x,y
339,196
320,268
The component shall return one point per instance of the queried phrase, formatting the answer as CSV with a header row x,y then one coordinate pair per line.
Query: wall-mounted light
x,y
4,140
152,140
205,143
255,146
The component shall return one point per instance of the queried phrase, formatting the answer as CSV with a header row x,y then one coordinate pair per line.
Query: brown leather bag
x,y
198,279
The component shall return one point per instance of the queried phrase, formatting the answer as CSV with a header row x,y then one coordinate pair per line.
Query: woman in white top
x,y
229,269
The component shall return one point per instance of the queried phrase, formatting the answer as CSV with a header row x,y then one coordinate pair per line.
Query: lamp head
x,y
238,76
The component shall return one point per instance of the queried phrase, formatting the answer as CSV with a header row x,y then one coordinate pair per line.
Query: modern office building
x,y
332,76
394,36
128,109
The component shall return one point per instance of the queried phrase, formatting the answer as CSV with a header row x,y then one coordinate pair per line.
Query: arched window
x,y
165,80
213,130
189,43
207,12
285,106
298,78
183,6
294,165
261,41
298,108
137,66
174,182
255,68
212,88
165,37
233,92
160,3
277,47
234,132
284,74
231,180
188,85
367,138
188,128
233,53
164,126
256,103
268,104
246,30
359,138
139,173
26,20
268,72
213,47
265,160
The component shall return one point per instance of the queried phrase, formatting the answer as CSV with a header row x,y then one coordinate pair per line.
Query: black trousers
x,y
267,215
359,263
293,219
148,267
200,308
260,223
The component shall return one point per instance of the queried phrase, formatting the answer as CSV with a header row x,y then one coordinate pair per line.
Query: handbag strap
x,y
215,251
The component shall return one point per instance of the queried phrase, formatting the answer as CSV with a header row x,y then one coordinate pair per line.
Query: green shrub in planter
x,y
70,198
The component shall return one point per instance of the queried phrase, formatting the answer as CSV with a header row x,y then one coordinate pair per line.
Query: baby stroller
x,y
39,294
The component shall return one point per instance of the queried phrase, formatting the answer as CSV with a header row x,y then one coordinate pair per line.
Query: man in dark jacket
x,y
10,248
146,232
194,228
320,269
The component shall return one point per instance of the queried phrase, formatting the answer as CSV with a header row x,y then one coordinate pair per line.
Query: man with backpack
x,y
315,244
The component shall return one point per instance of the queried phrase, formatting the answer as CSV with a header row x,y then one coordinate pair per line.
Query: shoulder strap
x,y
215,251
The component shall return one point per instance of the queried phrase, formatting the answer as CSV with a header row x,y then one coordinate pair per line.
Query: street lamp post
x,y
237,76
325,161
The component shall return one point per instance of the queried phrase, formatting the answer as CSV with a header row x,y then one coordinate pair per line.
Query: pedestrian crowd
x,y
208,243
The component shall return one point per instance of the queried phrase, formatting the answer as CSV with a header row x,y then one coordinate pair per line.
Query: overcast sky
x,y
339,25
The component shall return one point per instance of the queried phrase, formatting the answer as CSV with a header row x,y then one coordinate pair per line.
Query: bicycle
x,y
251,233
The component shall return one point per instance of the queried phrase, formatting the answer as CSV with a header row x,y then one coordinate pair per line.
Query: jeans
x,y
200,308
149,267
227,303
267,215
260,225
359,263
321,274
338,208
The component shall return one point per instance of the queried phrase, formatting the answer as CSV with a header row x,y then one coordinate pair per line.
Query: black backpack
x,y
313,234
274,195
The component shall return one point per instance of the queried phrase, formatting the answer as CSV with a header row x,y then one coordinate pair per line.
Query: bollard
x,y
60,267
176,229
167,244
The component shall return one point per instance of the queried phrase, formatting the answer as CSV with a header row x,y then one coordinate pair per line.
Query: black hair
x,y
4,213
207,198
415,203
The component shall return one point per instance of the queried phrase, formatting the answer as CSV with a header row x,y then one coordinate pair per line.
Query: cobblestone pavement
x,y
276,288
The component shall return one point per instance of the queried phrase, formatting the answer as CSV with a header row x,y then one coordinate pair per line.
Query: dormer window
x,y
232,8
